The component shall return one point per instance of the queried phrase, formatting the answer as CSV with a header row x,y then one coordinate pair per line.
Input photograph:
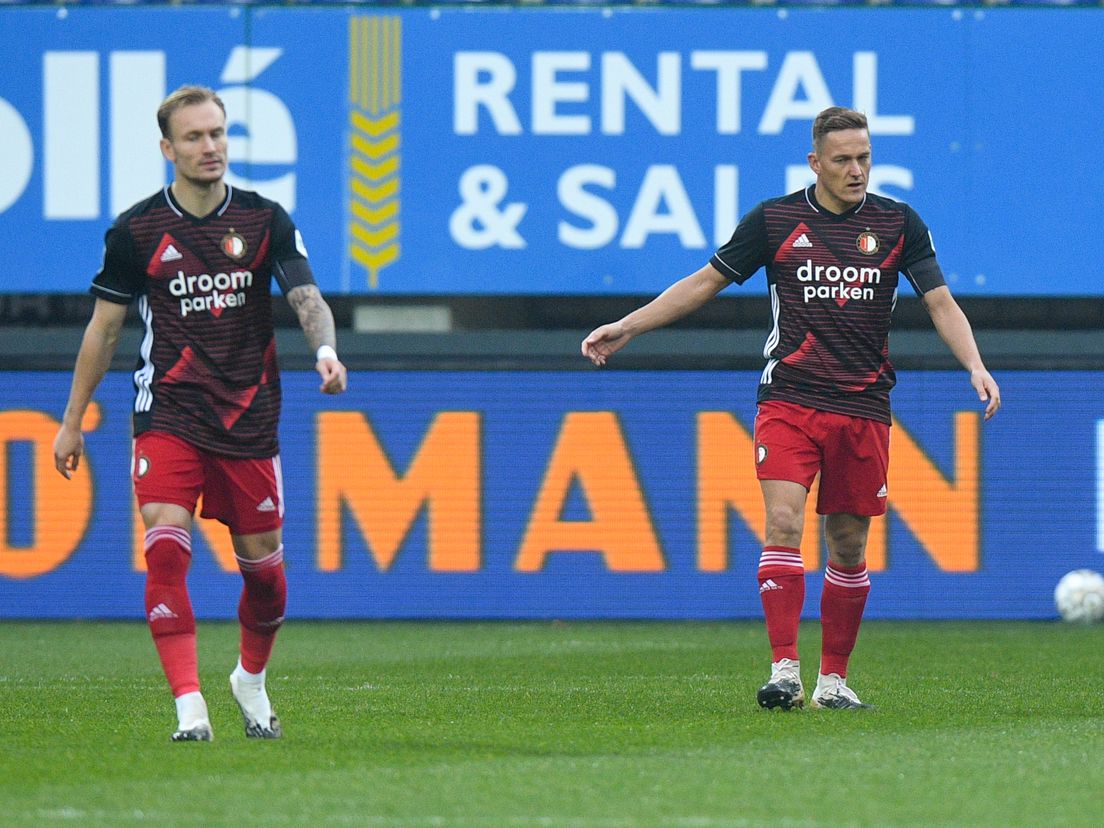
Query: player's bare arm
x,y
316,320
954,328
101,336
680,299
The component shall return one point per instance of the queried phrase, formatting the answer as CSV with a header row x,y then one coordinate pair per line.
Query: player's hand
x,y
987,390
68,448
605,341
335,379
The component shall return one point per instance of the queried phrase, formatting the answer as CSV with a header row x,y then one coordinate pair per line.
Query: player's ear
x,y
814,162
167,150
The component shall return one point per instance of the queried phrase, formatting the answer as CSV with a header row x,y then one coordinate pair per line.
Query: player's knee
x,y
846,537
784,525
847,556
847,549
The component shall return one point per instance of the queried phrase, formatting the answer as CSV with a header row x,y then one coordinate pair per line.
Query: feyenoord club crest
x,y
868,243
233,245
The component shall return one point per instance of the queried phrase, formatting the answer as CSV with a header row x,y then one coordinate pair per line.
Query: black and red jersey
x,y
833,285
207,365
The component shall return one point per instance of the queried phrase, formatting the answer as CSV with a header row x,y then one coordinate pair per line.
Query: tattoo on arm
x,y
315,316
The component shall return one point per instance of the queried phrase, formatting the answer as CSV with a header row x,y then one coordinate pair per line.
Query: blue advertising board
x,y
589,494
555,150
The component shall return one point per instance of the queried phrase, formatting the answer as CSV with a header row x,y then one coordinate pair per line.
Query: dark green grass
x,y
547,724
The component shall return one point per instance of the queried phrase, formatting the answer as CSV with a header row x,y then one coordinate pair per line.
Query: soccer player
x,y
832,254
199,257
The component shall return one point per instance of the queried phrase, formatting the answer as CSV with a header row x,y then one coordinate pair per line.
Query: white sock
x,y
246,677
191,710
249,690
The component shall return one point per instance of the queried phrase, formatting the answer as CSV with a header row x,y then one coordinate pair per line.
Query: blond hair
x,y
184,96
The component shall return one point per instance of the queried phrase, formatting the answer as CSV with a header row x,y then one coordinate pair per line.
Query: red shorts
x,y
246,495
794,442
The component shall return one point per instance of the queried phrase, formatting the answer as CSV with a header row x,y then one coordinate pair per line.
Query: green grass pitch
x,y
605,724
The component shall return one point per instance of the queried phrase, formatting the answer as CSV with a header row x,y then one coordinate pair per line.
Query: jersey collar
x,y
810,198
180,211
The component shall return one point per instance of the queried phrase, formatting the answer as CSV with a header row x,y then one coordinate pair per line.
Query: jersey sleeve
x,y
119,279
289,254
744,253
918,261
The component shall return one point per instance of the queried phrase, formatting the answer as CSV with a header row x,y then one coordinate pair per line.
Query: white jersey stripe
x,y
277,470
170,202
143,376
766,377
729,267
775,332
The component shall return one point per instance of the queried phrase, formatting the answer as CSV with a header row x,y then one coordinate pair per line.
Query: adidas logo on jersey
x,y
768,585
883,492
802,241
171,254
266,505
161,612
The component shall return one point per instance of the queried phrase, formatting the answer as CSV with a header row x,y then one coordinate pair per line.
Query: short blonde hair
x,y
184,96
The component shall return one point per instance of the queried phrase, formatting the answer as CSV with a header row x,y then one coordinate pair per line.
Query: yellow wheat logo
x,y
375,141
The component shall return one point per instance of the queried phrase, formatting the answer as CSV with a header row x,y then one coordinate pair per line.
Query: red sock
x,y
841,610
782,591
261,609
168,607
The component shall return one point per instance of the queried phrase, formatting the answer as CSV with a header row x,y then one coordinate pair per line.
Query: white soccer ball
x,y
1079,596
